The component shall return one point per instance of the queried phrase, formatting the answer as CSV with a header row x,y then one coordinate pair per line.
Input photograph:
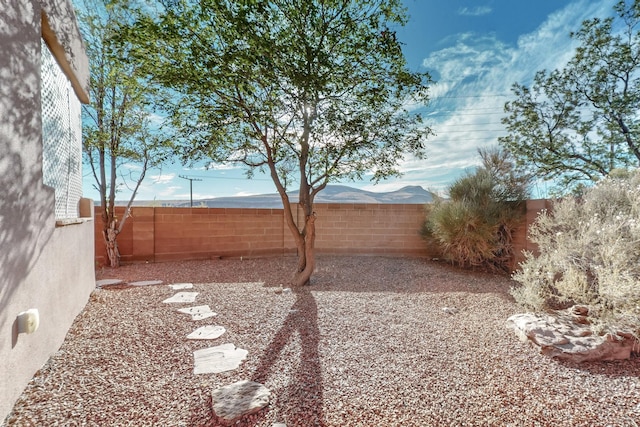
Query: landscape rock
x,y
146,283
450,310
209,332
232,402
567,335
181,286
222,358
181,297
108,282
199,312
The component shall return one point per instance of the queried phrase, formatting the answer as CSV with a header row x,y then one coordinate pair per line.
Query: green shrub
x,y
475,227
589,252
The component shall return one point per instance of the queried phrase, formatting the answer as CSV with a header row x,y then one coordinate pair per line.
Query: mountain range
x,y
331,194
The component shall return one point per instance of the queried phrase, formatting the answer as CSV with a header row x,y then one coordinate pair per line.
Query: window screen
x,y
61,137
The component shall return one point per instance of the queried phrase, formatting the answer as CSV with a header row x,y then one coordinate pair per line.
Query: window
x,y
61,137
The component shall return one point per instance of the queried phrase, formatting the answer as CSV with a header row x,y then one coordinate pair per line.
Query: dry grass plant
x,y
475,227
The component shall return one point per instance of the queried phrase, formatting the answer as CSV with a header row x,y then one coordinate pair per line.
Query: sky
x,y
475,50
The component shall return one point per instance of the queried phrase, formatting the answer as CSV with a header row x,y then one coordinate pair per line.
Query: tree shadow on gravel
x,y
301,403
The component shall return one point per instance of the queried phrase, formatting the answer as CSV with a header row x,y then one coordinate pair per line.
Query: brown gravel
x,y
367,344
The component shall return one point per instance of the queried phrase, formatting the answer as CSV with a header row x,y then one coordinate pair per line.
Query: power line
x,y
475,124
436,141
469,130
498,95
190,187
231,178
461,112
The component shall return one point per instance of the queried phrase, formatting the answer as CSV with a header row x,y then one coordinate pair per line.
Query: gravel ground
x,y
366,344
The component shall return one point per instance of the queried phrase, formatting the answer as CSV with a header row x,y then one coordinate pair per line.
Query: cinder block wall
x,y
521,242
158,234
370,229
162,234
195,233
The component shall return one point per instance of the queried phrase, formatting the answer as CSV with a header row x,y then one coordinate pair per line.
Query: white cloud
x,y
164,192
163,178
156,120
131,166
550,47
474,11
222,166
476,72
245,193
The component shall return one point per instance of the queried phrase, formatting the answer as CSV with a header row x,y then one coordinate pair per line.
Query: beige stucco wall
x,y
41,266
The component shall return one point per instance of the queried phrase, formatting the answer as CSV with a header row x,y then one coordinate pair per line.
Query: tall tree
x,y
579,123
121,138
309,91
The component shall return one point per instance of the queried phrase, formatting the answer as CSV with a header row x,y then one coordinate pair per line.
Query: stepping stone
x,y
222,358
146,283
450,310
180,286
209,332
107,282
232,402
182,297
199,312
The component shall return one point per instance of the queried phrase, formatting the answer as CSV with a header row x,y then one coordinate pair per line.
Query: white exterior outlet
x,y
28,321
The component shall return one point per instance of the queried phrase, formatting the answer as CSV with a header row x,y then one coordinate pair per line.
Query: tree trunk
x,y
306,253
110,239
305,238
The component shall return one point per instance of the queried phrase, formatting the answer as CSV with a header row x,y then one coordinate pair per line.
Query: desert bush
x,y
589,252
475,226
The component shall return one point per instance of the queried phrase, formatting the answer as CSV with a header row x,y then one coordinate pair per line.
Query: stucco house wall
x,y
45,263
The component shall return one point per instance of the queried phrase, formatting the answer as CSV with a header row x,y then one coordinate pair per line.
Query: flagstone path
x,y
231,402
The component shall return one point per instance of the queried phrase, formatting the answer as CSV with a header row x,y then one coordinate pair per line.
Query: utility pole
x,y
190,187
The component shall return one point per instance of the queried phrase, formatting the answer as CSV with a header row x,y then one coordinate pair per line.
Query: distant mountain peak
x,y
410,194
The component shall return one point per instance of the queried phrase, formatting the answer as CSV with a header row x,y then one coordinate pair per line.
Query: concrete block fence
x,y
156,234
